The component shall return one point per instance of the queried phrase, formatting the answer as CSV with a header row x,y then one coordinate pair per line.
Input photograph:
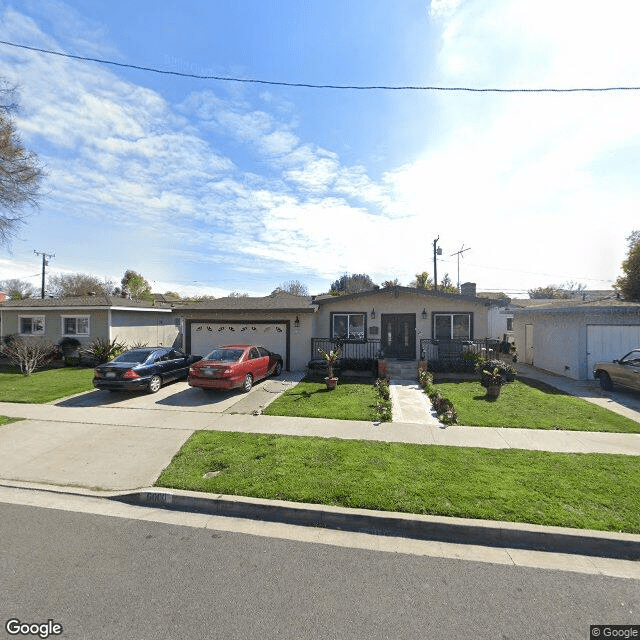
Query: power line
x,y
307,85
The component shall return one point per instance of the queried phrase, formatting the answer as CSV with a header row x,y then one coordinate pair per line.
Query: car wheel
x,y
278,370
154,384
247,383
605,381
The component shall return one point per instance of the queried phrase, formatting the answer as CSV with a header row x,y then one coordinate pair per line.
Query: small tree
x,y
28,352
422,281
135,285
628,285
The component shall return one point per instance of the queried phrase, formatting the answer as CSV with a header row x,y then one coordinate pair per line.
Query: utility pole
x,y
436,251
459,253
45,263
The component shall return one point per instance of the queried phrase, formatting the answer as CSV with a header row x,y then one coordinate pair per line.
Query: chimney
x,y
468,289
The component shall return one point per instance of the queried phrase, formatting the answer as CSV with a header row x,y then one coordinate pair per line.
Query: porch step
x,y
402,369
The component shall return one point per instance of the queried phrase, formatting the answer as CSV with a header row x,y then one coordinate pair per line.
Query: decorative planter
x,y
331,383
493,391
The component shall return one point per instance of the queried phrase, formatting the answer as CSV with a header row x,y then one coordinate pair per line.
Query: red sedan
x,y
234,366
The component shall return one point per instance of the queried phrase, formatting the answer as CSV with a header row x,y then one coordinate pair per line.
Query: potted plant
x,y
331,357
492,381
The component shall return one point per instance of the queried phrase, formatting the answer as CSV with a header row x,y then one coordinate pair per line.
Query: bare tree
x,y
17,289
294,287
77,284
28,352
20,170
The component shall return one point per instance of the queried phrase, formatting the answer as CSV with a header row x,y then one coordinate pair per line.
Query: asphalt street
x,y
104,577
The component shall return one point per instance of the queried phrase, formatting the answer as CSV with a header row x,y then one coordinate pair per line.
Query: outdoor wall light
x,y
424,314
296,324
372,315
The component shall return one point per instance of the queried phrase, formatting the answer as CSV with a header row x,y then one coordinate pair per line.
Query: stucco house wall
x,y
152,327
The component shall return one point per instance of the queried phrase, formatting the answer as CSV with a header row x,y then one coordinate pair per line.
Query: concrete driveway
x,y
179,396
118,440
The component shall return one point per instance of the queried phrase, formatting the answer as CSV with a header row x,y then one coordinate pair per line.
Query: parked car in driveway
x,y
234,366
143,369
625,372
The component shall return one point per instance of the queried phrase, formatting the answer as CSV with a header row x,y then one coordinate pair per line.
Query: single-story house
x,y
91,317
401,322
280,322
568,336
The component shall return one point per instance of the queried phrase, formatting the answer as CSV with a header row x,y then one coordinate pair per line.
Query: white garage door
x,y
607,342
207,335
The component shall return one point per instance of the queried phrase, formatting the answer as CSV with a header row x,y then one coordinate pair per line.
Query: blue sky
x,y
210,187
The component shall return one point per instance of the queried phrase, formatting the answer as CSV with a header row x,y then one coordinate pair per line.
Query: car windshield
x,y
632,358
137,355
225,355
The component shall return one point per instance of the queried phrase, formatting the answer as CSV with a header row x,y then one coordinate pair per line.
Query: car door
x,y
258,364
629,370
163,364
178,364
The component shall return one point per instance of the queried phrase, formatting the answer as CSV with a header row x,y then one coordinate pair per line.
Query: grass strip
x,y
592,491
6,420
531,405
44,385
348,401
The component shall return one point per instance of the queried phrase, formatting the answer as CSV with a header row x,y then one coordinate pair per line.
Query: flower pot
x,y
331,383
493,391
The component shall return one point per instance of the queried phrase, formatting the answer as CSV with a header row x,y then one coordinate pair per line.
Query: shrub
x,y
495,372
101,350
28,352
383,406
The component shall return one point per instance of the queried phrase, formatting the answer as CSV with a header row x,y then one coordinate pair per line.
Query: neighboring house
x,y
400,321
91,317
3,296
568,336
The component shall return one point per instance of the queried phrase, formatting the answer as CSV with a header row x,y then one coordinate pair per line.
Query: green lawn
x,y
531,405
592,491
5,420
44,385
348,401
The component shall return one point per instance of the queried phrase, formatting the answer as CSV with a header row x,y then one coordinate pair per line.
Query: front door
x,y
398,339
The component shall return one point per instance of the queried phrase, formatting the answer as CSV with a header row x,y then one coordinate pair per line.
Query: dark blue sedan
x,y
144,369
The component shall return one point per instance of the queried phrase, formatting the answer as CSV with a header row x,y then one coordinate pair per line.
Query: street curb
x,y
434,528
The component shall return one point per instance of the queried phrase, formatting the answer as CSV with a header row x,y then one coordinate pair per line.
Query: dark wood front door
x,y
398,337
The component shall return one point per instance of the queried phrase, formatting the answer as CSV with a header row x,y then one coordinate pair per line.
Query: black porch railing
x,y
448,351
356,350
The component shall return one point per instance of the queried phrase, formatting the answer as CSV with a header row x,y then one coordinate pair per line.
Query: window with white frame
x,y
75,325
452,326
31,325
348,326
